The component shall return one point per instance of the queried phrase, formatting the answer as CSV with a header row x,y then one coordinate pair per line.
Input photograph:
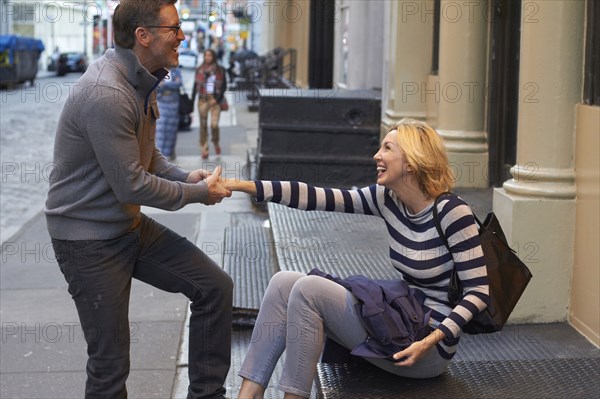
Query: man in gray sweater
x,y
106,166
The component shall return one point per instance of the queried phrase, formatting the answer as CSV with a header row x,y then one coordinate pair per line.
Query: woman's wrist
x,y
245,186
433,338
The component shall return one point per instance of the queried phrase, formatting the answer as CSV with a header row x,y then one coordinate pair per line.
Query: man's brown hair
x,y
132,14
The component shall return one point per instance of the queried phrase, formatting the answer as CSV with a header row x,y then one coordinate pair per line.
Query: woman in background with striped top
x,y
297,310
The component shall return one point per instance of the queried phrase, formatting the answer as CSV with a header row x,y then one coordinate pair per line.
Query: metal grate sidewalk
x,y
250,260
339,243
523,361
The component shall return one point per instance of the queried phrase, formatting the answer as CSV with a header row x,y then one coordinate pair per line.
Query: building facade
x,y
66,26
510,91
512,86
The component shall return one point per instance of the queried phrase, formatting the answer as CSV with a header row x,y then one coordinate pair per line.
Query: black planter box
x,y
321,137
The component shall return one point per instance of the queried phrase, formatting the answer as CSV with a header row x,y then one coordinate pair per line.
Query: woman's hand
x,y
198,175
409,356
248,187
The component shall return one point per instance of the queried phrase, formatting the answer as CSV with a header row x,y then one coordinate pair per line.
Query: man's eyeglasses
x,y
174,29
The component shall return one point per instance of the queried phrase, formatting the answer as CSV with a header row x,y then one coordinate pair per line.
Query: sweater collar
x,y
128,63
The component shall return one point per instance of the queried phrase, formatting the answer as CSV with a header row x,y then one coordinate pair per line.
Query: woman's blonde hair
x,y
425,153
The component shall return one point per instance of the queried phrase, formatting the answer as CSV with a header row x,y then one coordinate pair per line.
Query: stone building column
x,y
461,89
537,206
408,42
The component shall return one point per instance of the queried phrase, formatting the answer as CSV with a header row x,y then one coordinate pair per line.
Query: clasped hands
x,y
216,189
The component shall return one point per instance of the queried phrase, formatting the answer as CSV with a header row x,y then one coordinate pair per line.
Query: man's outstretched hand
x,y
216,189
197,175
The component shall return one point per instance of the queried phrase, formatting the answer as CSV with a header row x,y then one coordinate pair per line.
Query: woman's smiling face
x,y
391,164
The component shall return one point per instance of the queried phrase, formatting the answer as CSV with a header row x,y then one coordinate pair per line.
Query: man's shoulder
x,y
101,92
103,78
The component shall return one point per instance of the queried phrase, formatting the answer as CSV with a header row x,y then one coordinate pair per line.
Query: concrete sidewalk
x,y
42,346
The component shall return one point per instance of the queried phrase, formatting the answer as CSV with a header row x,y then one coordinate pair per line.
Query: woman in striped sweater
x,y
297,311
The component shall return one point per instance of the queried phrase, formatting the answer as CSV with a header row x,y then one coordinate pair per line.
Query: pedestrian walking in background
x,y
106,166
300,310
210,84
167,96
231,69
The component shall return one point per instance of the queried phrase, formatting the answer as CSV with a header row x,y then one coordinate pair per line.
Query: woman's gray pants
x,y
296,314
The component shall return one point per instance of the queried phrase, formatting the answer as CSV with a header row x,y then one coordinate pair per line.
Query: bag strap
x,y
436,218
455,287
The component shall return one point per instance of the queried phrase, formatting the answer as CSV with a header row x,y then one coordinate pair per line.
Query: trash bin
x,y
321,137
19,58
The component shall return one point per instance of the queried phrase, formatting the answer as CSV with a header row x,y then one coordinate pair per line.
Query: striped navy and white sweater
x,y
416,249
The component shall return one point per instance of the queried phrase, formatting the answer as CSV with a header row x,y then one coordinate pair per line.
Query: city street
x,y
28,117
496,101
